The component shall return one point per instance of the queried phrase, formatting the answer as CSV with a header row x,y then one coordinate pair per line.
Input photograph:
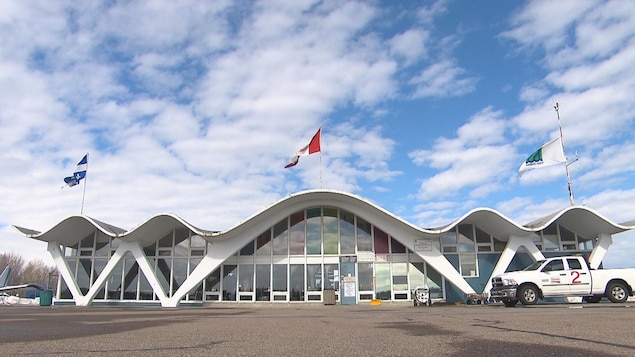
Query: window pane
x,y
281,238
131,278
566,235
297,282
313,231
365,275
166,241
481,236
550,238
466,238
364,238
114,282
248,249
448,238
381,241
229,282
264,243
263,282
246,272
468,264
382,286
102,248
84,269
416,275
296,234
279,277
181,242
347,232
332,279
212,281
314,277
397,247
330,230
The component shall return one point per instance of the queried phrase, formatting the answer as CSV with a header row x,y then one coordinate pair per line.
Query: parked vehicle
x,y
562,277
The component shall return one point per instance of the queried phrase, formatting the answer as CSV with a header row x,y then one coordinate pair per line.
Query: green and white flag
x,y
549,154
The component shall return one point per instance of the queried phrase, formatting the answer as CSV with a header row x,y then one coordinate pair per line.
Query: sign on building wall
x,y
423,245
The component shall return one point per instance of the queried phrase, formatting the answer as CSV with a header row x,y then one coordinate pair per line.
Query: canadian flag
x,y
312,147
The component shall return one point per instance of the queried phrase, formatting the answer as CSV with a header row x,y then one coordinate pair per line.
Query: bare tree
x,y
16,262
35,271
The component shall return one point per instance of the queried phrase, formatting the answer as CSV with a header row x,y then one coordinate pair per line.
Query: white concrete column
x,y
436,260
513,244
599,251
65,271
217,253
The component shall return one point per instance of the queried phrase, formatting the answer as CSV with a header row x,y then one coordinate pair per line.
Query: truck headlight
x,y
509,282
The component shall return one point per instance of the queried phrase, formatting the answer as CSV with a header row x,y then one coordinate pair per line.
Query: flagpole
x,y
320,169
557,108
81,212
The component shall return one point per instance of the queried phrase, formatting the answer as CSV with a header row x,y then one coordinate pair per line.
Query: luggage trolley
x,y
421,296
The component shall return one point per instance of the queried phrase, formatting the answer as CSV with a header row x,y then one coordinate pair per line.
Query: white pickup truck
x,y
562,277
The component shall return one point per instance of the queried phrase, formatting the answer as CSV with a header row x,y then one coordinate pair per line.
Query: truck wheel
x,y
510,303
528,295
617,292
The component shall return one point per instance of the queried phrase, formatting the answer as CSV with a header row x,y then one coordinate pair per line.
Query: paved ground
x,y
390,329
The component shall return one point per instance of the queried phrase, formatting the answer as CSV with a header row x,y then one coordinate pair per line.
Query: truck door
x,y
579,277
555,279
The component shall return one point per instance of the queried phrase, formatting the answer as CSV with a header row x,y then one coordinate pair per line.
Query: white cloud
x,y
442,79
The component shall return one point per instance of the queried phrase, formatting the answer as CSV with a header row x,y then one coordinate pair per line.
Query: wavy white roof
x,y
581,220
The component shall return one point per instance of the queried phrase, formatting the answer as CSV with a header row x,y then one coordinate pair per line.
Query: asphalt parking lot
x,y
390,329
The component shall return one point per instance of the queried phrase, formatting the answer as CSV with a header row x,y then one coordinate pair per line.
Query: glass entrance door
x,y
348,282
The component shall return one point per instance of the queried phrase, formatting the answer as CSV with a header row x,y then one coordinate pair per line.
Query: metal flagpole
x,y
85,178
320,168
567,163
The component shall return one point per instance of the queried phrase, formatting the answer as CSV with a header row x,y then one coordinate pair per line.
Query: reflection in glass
x,y
550,238
98,267
246,272
281,238
130,279
264,243
229,282
179,273
314,277
313,231
296,280
279,277
114,282
332,279
263,282
365,276
330,230
364,238
83,275
164,266
181,242
417,278
382,281
381,241
296,234
347,232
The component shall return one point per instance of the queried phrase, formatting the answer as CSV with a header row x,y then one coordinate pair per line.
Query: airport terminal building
x,y
306,248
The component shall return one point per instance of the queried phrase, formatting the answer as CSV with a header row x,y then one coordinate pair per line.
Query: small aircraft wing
x,y
4,278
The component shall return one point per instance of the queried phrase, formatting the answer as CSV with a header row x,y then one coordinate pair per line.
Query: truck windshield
x,y
534,266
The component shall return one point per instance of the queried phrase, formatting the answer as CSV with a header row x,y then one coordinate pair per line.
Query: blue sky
x,y
428,108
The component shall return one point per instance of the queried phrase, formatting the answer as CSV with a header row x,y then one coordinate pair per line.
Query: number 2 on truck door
x,y
580,279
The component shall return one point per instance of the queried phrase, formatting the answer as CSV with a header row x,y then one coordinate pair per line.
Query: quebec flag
x,y
79,174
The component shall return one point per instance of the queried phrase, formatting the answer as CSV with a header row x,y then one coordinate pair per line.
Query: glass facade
x,y
296,260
